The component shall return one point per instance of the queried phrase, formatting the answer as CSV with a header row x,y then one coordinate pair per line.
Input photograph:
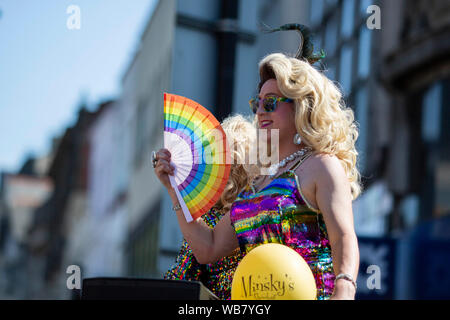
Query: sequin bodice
x,y
279,214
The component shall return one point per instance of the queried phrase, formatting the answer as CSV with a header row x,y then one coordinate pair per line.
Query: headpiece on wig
x,y
306,48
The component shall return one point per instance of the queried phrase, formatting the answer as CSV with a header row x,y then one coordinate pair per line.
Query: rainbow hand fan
x,y
199,153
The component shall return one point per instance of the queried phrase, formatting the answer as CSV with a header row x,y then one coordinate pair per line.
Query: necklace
x,y
273,169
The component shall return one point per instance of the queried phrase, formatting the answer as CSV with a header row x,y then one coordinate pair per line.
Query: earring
x,y
297,139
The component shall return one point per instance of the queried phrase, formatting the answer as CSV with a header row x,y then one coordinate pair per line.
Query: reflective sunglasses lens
x,y
270,103
253,105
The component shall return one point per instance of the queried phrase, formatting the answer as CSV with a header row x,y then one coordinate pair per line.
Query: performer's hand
x,y
163,167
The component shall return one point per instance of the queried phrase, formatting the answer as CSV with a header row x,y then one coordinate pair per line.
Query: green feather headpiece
x,y
306,48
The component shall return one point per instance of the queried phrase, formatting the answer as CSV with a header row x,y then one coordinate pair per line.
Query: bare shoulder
x,y
324,167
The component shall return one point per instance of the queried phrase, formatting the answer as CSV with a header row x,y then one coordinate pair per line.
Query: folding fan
x,y
199,153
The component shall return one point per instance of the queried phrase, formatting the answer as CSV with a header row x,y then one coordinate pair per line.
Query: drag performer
x,y
306,200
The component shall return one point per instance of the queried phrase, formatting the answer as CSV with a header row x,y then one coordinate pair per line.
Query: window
x,y
331,36
409,209
364,53
364,4
331,3
331,72
317,42
140,132
345,70
436,138
442,206
316,11
144,247
362,117
348,16
431,110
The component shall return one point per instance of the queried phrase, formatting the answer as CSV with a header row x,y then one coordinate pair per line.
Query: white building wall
x,y
101,170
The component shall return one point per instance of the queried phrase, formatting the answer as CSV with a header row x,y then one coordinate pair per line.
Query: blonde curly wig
x,y
241,136
321,117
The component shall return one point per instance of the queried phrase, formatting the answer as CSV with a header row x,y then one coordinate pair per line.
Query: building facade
x,y
96,221
20,195
49,231
392,60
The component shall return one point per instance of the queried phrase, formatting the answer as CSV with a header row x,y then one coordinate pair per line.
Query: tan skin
x,y
324,184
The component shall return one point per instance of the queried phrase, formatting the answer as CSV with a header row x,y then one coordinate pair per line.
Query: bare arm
x,y
208,245
334,199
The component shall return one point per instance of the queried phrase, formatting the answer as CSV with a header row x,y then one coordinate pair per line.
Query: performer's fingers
x,y
163,158
158,170
168,170
165,162
162,162
162,170
163,154
164,167
167,152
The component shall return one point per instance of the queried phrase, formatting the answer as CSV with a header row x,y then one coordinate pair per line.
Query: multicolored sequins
x,y
279,214
217,277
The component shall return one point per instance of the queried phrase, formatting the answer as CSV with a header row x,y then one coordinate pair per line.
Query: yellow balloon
x,y
273,272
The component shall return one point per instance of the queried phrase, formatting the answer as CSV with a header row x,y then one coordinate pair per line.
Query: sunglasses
x,y
270,103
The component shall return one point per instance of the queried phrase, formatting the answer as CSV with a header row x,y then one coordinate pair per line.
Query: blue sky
x,y
45,68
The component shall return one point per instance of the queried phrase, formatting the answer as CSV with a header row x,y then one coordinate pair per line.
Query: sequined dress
x,y
217,277
279,213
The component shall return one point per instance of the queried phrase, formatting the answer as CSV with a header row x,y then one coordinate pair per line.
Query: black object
x,y
143,289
